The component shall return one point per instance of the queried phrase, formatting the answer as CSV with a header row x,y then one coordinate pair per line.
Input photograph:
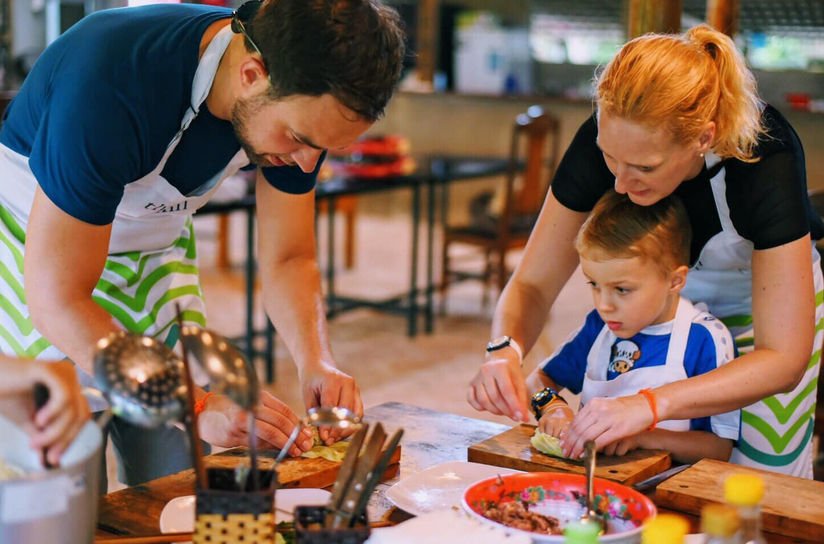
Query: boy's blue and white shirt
x,y
709,345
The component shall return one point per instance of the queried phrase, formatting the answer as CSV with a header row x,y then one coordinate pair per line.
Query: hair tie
x,y
711,48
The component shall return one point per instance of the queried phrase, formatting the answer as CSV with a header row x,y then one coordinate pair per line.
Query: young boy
x,y
642,334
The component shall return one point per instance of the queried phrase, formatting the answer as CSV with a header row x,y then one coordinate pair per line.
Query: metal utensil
x,y
231,374
375,475
345,515
41,397
140,377
653,481
324,416
147,384
590,515
345,472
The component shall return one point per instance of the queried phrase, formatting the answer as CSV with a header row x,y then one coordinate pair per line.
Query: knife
x,y
653,481
365,464
375,476
345,473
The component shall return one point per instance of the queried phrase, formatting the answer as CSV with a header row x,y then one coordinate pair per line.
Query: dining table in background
x,y
430,438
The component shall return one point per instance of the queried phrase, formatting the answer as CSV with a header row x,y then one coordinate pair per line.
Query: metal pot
x,y
58,506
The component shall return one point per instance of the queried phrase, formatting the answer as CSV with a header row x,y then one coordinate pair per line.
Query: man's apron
x,y
629,383
775,432
152,263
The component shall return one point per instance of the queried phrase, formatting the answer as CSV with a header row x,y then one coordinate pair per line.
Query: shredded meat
x,y
516,515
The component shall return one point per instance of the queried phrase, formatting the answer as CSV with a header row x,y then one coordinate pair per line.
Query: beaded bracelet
x,y
200,405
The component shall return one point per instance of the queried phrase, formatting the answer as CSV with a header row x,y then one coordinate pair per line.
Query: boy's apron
x,y
632,381
152,264
775,432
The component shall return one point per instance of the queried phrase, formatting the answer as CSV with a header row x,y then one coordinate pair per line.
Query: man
x,y
125,126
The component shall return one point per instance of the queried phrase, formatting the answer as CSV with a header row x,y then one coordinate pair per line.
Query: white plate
x,y
440,486
445,526
178,516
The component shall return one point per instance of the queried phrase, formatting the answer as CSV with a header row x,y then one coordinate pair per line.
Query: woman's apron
x,y
629,383
776,432
152,262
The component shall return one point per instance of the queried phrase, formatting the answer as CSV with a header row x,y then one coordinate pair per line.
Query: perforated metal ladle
x,y
144,381
231,374
141,378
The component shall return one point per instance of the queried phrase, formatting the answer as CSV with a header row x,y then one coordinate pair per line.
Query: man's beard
x,y
242,112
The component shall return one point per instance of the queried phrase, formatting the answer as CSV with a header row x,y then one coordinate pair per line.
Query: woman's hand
x,y
499,387
223,423
57,423
328,386
606,420
556,420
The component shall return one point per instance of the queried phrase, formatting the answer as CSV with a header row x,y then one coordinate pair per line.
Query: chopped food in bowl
x,y
542,503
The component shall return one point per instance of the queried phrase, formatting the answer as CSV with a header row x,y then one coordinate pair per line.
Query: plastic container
x,y
744,491
225,514
309,528
581,532
665,529
720,523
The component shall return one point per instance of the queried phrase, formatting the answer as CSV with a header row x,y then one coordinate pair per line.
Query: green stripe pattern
x,y
140,290
776,432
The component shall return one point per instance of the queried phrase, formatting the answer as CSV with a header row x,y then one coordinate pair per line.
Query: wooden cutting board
x,y
302,472
791,507
512,449
138,508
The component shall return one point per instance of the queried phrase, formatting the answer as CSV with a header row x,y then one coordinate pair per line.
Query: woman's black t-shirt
x,y
767,199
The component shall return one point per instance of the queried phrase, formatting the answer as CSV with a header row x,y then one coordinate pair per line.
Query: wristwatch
x,y
543,398
503,341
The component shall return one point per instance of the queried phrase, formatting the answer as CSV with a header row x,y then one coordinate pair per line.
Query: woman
x,y
680,114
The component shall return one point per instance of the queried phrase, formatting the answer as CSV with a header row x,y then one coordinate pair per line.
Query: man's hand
x,y
499,387
223,423
327,386
57,423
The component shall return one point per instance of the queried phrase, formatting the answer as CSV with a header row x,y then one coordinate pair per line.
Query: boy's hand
x,y
556,420
625,445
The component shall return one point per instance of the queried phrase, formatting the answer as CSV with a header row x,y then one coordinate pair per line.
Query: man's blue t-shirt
x,y
102,103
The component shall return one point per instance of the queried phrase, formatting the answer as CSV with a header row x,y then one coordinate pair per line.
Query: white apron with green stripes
x,y
152,263
776,432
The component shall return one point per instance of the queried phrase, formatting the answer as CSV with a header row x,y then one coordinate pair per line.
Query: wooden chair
x,y
532,160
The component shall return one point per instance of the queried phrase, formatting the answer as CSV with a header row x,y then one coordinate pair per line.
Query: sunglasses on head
x,y
241,16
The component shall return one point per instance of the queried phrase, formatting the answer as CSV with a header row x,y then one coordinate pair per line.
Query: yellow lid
x,y
719,520
744,489
665,529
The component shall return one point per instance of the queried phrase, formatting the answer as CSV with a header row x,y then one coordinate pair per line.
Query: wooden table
x,y
430,438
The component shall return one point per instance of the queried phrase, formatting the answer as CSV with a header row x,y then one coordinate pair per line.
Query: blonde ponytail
x,y
738,114
681,82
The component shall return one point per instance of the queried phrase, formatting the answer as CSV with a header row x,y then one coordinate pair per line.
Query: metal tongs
x,y
365,462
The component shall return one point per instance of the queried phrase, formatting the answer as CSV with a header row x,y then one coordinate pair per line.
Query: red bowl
x,y
563,495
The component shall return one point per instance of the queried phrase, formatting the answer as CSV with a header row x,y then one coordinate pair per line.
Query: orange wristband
x,y
200,405
650,396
